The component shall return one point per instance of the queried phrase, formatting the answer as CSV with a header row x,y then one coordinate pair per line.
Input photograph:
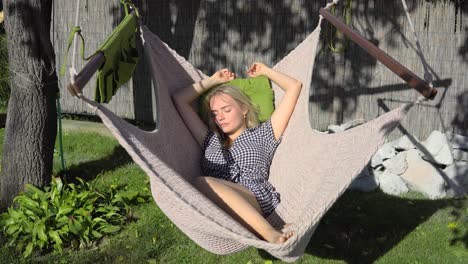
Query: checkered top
x,y
246,162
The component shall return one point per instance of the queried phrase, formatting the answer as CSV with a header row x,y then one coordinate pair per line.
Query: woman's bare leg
x,y
241,204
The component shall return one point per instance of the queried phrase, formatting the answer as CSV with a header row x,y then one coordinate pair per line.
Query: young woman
x,y
238,151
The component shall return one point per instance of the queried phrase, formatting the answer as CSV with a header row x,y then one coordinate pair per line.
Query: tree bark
x,y
31,118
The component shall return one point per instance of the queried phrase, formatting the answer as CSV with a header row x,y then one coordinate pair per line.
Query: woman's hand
x,y
219,77
222,76
257,69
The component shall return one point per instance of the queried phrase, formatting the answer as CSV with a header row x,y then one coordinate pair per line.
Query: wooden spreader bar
x,y
408,76
86,74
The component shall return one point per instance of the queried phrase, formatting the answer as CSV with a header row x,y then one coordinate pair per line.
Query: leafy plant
x,y
64,215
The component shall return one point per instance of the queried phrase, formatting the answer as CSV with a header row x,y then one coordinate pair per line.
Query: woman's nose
x,y
220,116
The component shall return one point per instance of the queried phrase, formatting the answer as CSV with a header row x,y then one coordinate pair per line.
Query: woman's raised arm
x,y
184,98
292,87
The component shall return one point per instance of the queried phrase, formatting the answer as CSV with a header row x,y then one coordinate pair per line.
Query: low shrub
x,y
65,215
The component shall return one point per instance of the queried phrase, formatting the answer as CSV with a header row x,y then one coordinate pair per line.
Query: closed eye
x,y
225,109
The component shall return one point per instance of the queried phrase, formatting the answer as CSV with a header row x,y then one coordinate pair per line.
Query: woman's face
x,y
227,113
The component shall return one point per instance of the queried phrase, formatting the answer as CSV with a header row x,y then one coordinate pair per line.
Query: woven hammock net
x,y
310,170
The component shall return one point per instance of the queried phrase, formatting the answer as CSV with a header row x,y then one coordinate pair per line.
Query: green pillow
x,y
258,89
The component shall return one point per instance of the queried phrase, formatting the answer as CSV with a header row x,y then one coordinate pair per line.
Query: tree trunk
x,y
31,118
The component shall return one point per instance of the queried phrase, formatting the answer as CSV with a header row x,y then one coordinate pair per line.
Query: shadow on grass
x,y
362,227
460,233
91,169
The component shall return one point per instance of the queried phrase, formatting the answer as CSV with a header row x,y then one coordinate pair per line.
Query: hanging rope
x,y
77,31
129,4
427,75
329,5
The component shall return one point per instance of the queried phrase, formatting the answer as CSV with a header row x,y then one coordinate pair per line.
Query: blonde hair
x,y
251,118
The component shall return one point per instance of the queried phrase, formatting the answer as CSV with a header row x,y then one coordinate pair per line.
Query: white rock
x,y
320,132
345,126
457,175
378,170
460,155
387,151
396,165
423,177
352,124
439,149
335,128
406,143
366,181
392,184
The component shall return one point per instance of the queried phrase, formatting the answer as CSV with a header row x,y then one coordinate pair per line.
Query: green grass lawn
x,y
360,227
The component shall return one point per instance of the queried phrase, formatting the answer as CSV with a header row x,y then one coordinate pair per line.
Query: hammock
x,y
309,184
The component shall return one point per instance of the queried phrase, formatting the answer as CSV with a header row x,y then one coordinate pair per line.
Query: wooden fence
x,y
346,85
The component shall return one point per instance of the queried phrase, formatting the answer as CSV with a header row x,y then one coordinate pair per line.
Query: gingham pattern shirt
x,y
246,162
